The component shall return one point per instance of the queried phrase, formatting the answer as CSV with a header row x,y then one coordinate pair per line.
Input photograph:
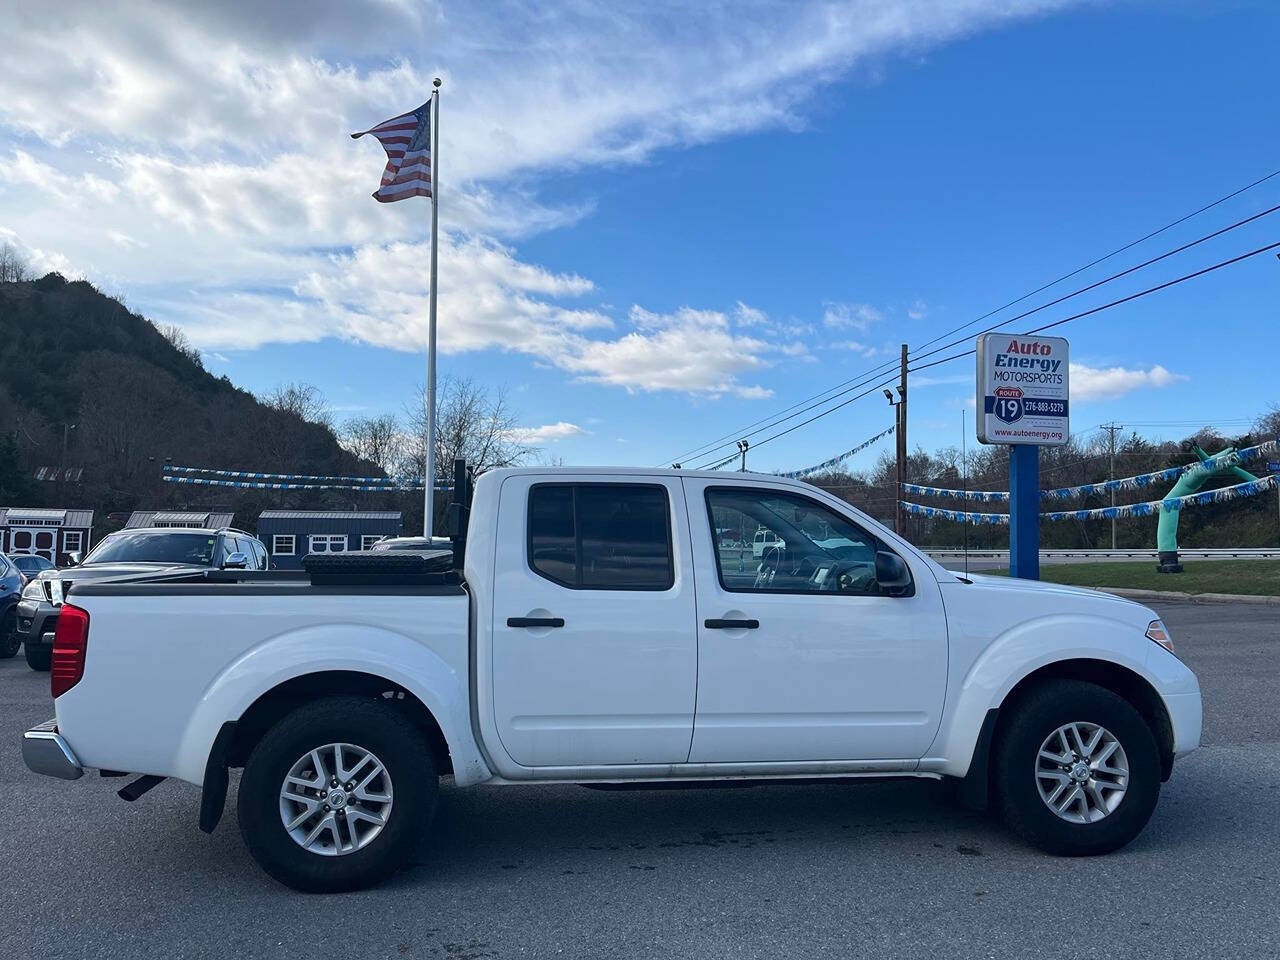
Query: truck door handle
x,y
535,621
731,624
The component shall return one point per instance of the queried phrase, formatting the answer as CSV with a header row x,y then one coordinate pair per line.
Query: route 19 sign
x,y
1022,389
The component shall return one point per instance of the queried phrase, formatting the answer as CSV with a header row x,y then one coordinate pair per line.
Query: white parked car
x,y
765,539
593,636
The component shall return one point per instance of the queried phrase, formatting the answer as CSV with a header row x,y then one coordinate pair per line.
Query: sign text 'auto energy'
x,y
1022,389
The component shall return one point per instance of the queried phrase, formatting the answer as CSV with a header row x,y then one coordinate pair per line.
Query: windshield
x,y
151,546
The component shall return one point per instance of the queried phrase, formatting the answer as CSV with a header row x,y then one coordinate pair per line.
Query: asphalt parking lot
x,y
864,870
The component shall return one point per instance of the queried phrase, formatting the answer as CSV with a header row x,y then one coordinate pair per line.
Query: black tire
x,y
39,658
1035,717
10,641
373,725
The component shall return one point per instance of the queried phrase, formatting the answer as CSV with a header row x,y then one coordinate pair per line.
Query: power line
x,y
1114,303
848,385
1106,280
1094,263
1057,323
1183,423
863,379
802,423
706,448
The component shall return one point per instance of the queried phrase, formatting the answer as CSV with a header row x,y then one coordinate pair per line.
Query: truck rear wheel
x,y
337,795
1078,770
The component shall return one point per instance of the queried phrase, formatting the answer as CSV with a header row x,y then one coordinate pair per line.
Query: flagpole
x,y
429,475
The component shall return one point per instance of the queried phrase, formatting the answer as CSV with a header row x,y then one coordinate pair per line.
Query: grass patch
x,y
1250,577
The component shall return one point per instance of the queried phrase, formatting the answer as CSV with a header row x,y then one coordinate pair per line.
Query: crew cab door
x,y
594,639
802,656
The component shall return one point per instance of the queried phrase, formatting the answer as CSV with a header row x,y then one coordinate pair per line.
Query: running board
x,y
133,791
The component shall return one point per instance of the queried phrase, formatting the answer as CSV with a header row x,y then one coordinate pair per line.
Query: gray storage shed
x,y
52,533
292,534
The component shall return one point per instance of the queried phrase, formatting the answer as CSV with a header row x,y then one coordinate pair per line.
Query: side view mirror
x,y
74,558
236,561
892,573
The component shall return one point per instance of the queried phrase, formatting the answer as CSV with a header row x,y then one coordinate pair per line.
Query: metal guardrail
x,y
1207,553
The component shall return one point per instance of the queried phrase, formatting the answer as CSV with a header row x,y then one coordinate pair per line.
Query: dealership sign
x,y
1022,389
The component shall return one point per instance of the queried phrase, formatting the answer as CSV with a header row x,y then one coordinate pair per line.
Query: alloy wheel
x,y
335,799
1082,772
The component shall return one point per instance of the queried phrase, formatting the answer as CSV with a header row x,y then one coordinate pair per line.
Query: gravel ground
x,y
878,870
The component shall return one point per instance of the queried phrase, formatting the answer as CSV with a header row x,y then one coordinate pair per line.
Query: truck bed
x,y
169,661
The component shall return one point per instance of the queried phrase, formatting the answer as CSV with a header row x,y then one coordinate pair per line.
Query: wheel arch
x,y
272,705
237,738
1124,682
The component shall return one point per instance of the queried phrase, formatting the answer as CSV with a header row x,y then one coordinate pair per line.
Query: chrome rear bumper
x,y
44,751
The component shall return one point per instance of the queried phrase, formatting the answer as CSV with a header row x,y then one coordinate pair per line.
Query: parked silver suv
x,y
129,553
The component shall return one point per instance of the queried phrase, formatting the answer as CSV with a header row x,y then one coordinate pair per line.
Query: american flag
x,y
407,140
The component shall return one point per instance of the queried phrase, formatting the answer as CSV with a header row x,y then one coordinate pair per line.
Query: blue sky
x,y
652,252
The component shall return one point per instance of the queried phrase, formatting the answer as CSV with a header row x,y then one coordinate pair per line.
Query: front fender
x,y
1030,645
360,648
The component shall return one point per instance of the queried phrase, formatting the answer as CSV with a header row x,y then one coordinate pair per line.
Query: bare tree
x,y
13,267
379,440
303,400
178,338
1268,425
471,423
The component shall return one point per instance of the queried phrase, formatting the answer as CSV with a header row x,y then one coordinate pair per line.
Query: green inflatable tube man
x,y
1189,482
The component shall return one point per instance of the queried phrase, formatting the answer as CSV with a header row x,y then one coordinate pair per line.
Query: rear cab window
x,y
601,536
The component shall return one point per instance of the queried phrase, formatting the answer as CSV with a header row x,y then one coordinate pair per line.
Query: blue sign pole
x,y
1024,511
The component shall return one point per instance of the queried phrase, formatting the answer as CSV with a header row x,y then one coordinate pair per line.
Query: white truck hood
x,y
1018,585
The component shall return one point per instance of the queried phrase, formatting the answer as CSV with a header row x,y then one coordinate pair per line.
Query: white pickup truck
x,y
595,633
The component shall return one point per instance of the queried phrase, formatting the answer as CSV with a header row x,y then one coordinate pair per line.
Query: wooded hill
x,y
70,355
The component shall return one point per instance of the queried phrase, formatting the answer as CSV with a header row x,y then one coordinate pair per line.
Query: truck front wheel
x,y
1077,768
337,795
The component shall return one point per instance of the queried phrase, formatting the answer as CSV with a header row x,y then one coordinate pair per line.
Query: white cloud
x,y
857,346
201,151
746,316
547,433
855,316
918,310
925,380
694,351
1107,383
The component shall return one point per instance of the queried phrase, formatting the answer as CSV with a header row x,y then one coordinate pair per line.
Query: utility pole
x,y
1111,429
900,517
742,449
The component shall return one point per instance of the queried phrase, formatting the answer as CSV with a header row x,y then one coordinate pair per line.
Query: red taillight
x,y
69,642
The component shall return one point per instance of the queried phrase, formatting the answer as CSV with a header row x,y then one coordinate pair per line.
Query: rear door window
x,y
601,536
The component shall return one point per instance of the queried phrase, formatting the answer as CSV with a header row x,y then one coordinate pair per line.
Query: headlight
x,y
34,590
1156,631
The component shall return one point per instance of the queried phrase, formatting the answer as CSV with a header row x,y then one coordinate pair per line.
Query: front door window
x,y
798,545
